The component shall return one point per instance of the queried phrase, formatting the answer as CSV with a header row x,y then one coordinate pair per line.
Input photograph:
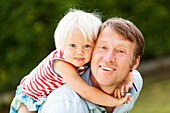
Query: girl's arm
x,y
73,79
124,86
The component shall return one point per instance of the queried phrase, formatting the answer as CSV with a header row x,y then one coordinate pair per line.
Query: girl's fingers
x,y
126,88
118,93
115,93
122,91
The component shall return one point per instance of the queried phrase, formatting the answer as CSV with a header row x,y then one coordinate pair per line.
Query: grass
x,y
155,95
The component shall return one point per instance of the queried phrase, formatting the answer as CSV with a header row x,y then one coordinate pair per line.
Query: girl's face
x,y
78,51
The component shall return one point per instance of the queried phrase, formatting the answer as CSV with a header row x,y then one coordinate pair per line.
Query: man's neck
x,y
109,109
107,89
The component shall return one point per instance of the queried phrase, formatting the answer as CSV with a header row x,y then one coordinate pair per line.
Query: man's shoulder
x,y
138,81
63,99
64,92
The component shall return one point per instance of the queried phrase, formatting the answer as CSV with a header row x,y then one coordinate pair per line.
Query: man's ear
x,y
136,63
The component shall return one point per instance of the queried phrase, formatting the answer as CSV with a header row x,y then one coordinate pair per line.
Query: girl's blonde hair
x,y
87,23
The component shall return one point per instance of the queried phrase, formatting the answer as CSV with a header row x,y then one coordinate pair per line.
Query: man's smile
x,y
107,68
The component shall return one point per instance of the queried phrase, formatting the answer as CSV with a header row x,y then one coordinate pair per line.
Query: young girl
x,y
74,38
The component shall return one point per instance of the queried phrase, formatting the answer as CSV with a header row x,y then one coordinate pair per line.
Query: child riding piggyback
x,y
75,38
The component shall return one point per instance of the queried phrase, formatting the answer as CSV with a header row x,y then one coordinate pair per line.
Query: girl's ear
x,y
136,63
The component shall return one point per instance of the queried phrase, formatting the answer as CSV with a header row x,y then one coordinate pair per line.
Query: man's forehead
x,y
109,34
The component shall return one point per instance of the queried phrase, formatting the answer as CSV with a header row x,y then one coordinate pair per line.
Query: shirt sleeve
x,y
58,55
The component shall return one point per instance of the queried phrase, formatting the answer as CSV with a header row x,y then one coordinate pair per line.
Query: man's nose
x,y
110,56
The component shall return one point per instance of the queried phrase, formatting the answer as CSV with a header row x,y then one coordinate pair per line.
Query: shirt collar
x,y
86,76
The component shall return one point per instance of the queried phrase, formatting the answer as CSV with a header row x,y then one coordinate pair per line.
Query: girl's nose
x,y
80,51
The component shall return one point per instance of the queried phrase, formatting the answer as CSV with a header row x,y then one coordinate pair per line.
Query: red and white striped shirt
x,y
42,80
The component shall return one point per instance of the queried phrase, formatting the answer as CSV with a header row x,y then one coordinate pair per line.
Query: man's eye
x,y
87,46
120,51
72,45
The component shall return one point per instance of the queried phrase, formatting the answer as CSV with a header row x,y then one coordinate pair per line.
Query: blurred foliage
x,y
27,28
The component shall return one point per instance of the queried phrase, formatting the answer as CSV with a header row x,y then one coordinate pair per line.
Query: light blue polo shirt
x,y
65,100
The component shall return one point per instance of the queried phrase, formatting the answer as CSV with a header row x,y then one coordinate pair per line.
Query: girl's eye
x,y
72,45
87,46
103,47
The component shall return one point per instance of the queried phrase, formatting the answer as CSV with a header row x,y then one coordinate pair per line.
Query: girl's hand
x,y
124,99
122,88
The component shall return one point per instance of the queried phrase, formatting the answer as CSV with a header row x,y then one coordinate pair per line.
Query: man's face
x,y
112,57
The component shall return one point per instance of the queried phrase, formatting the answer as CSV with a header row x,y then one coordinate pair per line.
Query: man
x,y
117,52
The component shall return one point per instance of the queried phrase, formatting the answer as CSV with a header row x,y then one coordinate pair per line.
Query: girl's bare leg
x,y
23,109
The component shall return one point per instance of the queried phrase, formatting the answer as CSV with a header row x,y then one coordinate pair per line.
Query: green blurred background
x,y
26,37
